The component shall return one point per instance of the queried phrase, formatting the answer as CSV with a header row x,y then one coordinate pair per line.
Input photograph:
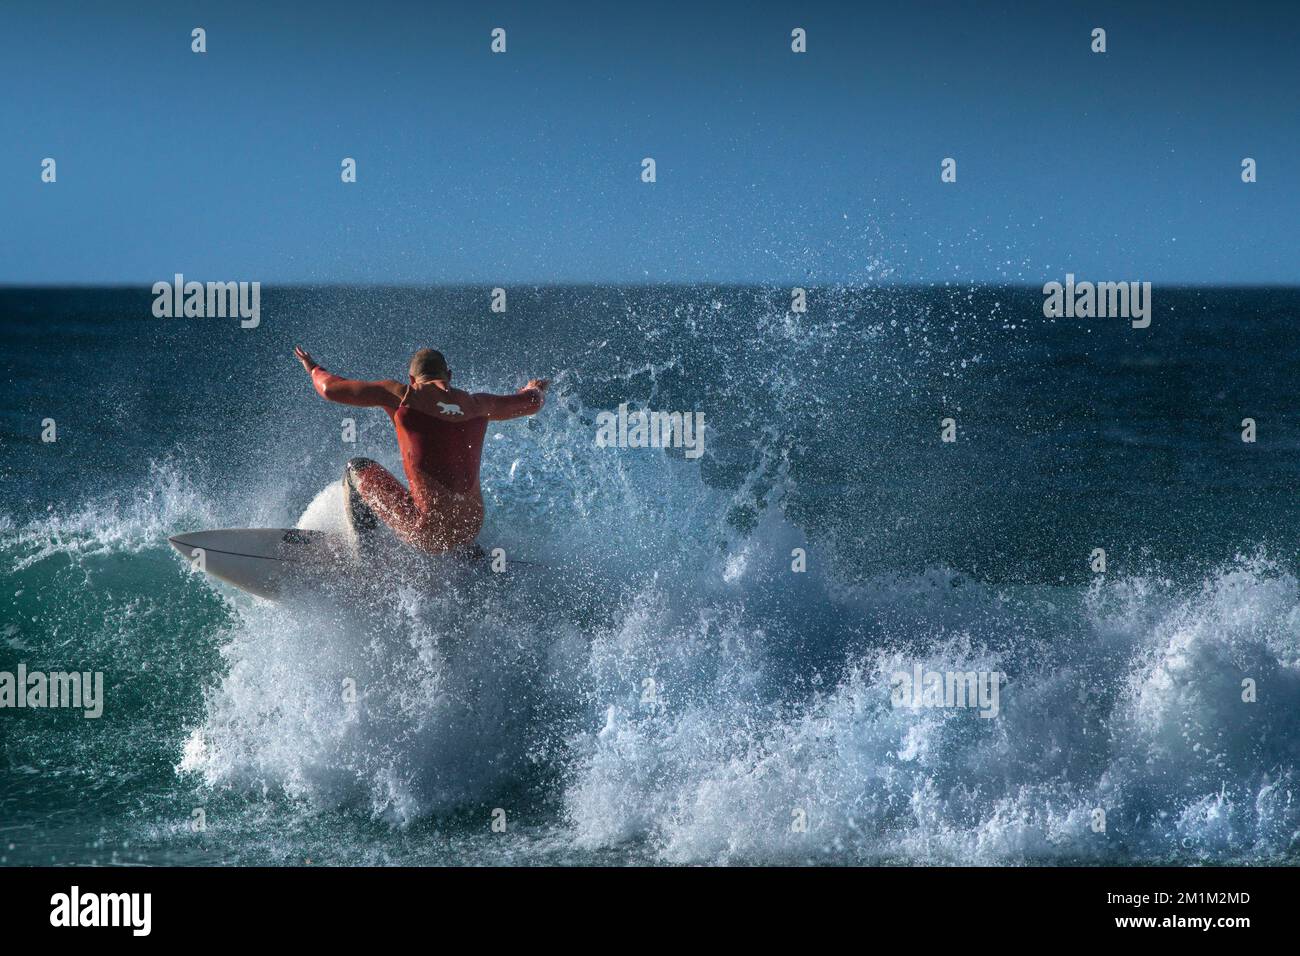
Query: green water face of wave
x,y
153,634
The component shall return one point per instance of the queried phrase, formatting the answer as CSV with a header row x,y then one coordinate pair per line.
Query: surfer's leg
x,y
374,496
361,519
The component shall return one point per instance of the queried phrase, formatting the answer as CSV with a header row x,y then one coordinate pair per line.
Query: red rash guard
x,y
447,452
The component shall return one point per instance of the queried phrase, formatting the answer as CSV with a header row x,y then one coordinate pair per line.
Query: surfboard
x,y
281,563
268,562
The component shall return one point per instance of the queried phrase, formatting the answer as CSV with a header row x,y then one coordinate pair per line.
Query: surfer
x,y
440,433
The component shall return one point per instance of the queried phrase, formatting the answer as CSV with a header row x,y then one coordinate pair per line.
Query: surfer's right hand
x,y
541,384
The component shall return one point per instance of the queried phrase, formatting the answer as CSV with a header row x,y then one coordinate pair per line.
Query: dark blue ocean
x,y
665,688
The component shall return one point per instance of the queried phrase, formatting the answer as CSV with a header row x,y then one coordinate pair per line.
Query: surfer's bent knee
x,y
356,466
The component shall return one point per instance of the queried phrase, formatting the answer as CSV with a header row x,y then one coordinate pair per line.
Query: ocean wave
x,y
1136,712
668,686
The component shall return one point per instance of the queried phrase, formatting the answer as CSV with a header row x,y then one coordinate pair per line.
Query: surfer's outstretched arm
x,y
527,401
347,391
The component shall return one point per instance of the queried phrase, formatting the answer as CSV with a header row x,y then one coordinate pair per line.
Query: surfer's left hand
x,y
305,358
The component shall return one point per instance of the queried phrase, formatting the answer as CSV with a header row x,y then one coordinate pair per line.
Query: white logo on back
x,y
449,409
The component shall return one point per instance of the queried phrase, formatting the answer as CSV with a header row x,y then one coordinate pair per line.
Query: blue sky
x,y
772,167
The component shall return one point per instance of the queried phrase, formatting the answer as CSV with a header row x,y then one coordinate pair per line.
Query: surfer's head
x,y
429,365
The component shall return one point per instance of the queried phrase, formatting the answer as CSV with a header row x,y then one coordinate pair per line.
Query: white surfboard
x,y
269,562
283,563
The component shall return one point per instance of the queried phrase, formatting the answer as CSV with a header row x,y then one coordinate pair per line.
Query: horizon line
x,y
670,284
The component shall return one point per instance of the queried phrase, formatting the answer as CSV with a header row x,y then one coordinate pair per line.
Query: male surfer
x,y
440,432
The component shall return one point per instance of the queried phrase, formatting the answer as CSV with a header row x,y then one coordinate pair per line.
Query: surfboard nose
x,y
178,542
262,561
